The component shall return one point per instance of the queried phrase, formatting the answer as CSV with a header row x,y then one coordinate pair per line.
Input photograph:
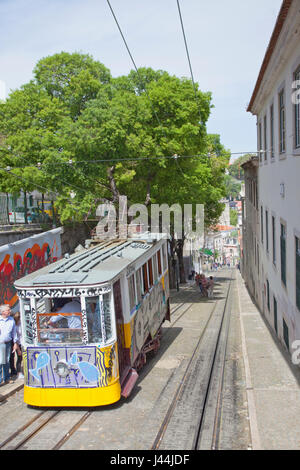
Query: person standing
x,y
8,337
18,369
210,289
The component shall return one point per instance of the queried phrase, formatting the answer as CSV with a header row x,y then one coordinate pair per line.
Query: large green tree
x,y
75,130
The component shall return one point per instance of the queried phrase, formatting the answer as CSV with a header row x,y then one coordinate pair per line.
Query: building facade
x,y
271,249
250,265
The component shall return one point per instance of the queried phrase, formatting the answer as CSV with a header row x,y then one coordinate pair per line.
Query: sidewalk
x,y
272,381
9,389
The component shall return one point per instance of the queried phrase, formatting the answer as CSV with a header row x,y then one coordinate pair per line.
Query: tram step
x,y
129,383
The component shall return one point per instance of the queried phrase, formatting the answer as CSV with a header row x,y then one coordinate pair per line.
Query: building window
x,y
274,239
272,130
265,138
297,110
256,195
275,315
283,252
281,122
298,273
260,141
286,335
267,231
262,224
268,295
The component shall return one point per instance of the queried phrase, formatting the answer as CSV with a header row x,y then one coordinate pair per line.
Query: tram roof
x,y
96,265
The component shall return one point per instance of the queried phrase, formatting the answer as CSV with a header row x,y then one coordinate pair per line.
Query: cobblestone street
x,y
260,397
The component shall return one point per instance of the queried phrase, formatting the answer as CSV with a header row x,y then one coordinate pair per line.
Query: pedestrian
x,y
74,321
200,286
210,288
17,319
204,286
8,341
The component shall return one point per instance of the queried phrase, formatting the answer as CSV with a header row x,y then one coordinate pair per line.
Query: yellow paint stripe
x,y
72,396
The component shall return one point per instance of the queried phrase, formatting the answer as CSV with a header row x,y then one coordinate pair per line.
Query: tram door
x,y
122,351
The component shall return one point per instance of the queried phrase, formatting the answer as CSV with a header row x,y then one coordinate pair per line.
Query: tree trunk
x,y
179,252
112,184
172,266
25,208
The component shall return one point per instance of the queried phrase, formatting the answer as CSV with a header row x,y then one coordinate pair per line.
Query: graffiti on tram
x,y
84,367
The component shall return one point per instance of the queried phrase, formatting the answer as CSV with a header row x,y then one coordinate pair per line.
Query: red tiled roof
x,y
224,228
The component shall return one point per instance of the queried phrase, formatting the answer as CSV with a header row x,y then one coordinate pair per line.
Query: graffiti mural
x,y
149,315
72,367
24,257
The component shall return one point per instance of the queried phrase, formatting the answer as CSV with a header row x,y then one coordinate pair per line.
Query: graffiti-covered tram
x,y
88,321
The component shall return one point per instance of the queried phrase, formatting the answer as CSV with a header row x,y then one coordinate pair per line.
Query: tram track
x,y
205,430
25,436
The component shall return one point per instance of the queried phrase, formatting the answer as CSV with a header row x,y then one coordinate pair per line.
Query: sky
x,y
227,41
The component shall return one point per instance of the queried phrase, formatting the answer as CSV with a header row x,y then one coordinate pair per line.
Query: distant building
x,y
250,264
271,245
225,217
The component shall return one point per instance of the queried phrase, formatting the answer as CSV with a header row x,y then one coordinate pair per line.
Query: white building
x,y
275,255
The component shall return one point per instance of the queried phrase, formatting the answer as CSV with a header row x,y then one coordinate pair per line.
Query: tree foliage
x,y
75,129
235,169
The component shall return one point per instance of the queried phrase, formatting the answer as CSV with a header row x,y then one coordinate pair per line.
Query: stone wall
x,y
74,235
9,235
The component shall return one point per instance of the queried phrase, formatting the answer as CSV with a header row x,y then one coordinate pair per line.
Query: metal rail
x,y
75,427
217,419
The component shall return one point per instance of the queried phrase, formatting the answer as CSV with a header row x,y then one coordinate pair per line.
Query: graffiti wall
x,y
24,257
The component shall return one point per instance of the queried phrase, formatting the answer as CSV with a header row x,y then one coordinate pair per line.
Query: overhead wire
x,y
72,162
138,74
134,64
188,57
40,167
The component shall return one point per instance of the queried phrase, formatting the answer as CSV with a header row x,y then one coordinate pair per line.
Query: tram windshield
x,y
62,320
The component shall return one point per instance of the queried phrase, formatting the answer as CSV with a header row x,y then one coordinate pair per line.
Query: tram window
x,y
131,288
29,322
165,264
139,286
145,278
93,320
150,273
107,316
59,325
154,264
159,263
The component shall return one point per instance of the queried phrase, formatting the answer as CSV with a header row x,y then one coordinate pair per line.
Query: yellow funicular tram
x,y
89,320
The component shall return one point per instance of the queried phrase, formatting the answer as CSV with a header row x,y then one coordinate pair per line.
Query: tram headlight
x,y
62,369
